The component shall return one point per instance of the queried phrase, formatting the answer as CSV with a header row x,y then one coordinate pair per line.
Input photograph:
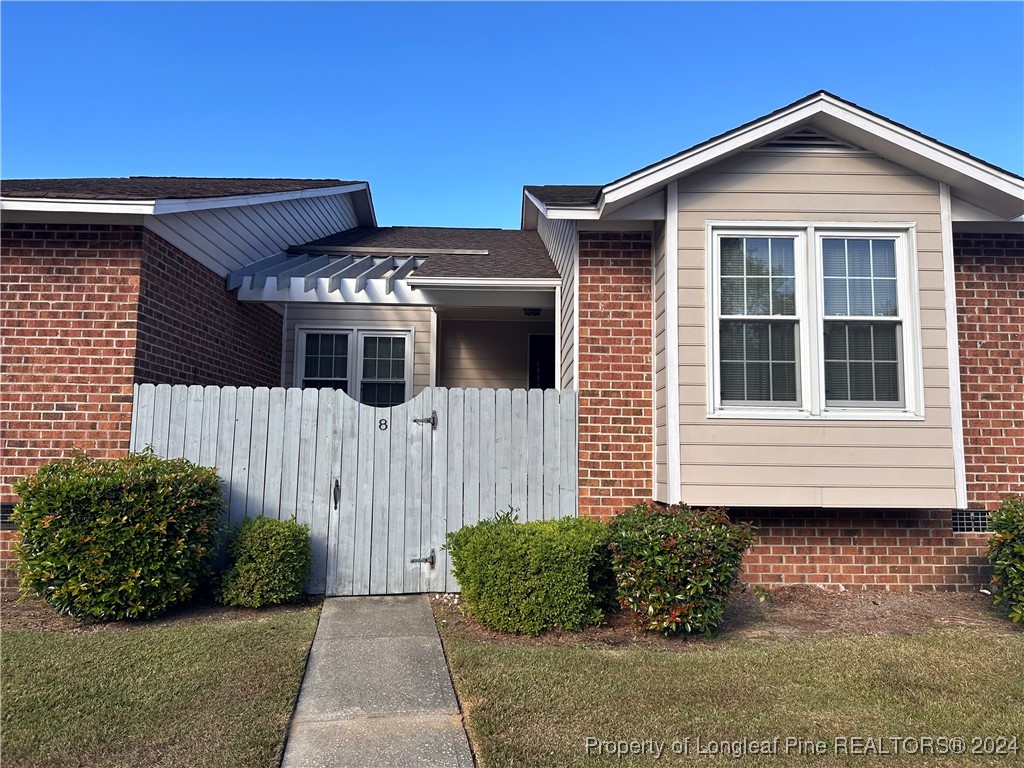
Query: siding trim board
x,y
953,348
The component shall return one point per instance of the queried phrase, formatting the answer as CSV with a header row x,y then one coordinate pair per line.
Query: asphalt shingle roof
x,y
512,254
155,187
556,195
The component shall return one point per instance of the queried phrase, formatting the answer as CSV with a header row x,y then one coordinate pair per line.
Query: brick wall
x,y
68,320
615,383
192,330
990,316
8,571
85,311
906,550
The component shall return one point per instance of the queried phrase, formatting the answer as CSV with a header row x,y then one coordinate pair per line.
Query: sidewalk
x,y
377,691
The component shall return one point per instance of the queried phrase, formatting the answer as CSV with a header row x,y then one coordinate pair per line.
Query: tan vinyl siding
x,y
385,318
485,353
560,238
812,462
226,239
660,379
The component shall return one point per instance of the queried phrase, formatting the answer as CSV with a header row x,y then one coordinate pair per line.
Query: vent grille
x,y
808,138
6,524
970,521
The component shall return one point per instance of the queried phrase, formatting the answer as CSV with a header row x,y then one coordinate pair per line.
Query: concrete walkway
x,y
377,691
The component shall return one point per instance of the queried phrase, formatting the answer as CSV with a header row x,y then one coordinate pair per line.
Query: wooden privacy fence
x,y
378,487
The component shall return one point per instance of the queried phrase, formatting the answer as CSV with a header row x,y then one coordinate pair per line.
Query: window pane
x,y
732,381
783,381
731,340
326,344
860,298
862,381
783,342
382,395
758,299
757,341
835,297
311,368
732,296
732,256
835,341
885,342
858,257
859,337
783,296
758,361
885,298
833,253
884,258
862,362
887,382
782,262
837,385
312,343
757,256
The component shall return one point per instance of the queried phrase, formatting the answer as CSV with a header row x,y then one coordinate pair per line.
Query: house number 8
x,y
382,424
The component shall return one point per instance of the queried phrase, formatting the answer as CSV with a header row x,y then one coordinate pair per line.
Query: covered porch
x,y
378,314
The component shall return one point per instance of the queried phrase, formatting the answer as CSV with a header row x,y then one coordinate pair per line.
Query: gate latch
x,y
431,559
431,420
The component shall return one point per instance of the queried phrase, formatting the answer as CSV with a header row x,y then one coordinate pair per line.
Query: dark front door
x,y
542,361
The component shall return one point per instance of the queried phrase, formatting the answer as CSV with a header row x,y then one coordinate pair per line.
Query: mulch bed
x,y
35,614
787,613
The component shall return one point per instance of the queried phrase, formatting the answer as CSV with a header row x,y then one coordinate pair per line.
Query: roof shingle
x,y
512,254
156,187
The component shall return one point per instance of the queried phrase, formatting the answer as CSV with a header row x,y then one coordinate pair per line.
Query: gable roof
x,y
976,181
156,195
156,187
451,252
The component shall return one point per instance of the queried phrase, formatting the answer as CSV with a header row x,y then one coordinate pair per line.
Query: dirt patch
x,y
35,614
787,612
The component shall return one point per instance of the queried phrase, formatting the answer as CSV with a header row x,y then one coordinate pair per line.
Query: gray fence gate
x,y
378,487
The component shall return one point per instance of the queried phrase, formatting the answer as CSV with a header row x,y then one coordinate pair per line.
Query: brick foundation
x,y
615,383
86,310
906,550
990,316
8,571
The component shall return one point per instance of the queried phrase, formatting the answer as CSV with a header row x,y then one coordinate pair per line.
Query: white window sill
x,y
865,414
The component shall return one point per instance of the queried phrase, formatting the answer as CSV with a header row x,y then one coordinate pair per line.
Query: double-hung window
x,y
758,324
813,321
372,366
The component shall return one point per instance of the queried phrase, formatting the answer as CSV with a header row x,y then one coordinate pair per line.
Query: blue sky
x,y
448,109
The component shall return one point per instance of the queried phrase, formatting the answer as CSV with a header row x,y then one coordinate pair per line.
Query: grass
x,y
212,693
530,705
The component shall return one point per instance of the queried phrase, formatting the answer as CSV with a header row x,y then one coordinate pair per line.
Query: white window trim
x,y
810,316
355,358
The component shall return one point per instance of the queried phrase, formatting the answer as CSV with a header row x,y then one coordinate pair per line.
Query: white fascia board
x,y
670,169
71,205
929,150
205,203
485,283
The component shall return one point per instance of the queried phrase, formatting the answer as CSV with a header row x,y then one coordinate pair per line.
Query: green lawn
x,y
531,705
217,692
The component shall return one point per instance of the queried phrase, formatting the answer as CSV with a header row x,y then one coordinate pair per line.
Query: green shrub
x,y
1006,553
674,566
531,577
120,538
269,563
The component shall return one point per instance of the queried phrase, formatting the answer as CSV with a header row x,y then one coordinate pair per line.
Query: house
x,y
813,319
